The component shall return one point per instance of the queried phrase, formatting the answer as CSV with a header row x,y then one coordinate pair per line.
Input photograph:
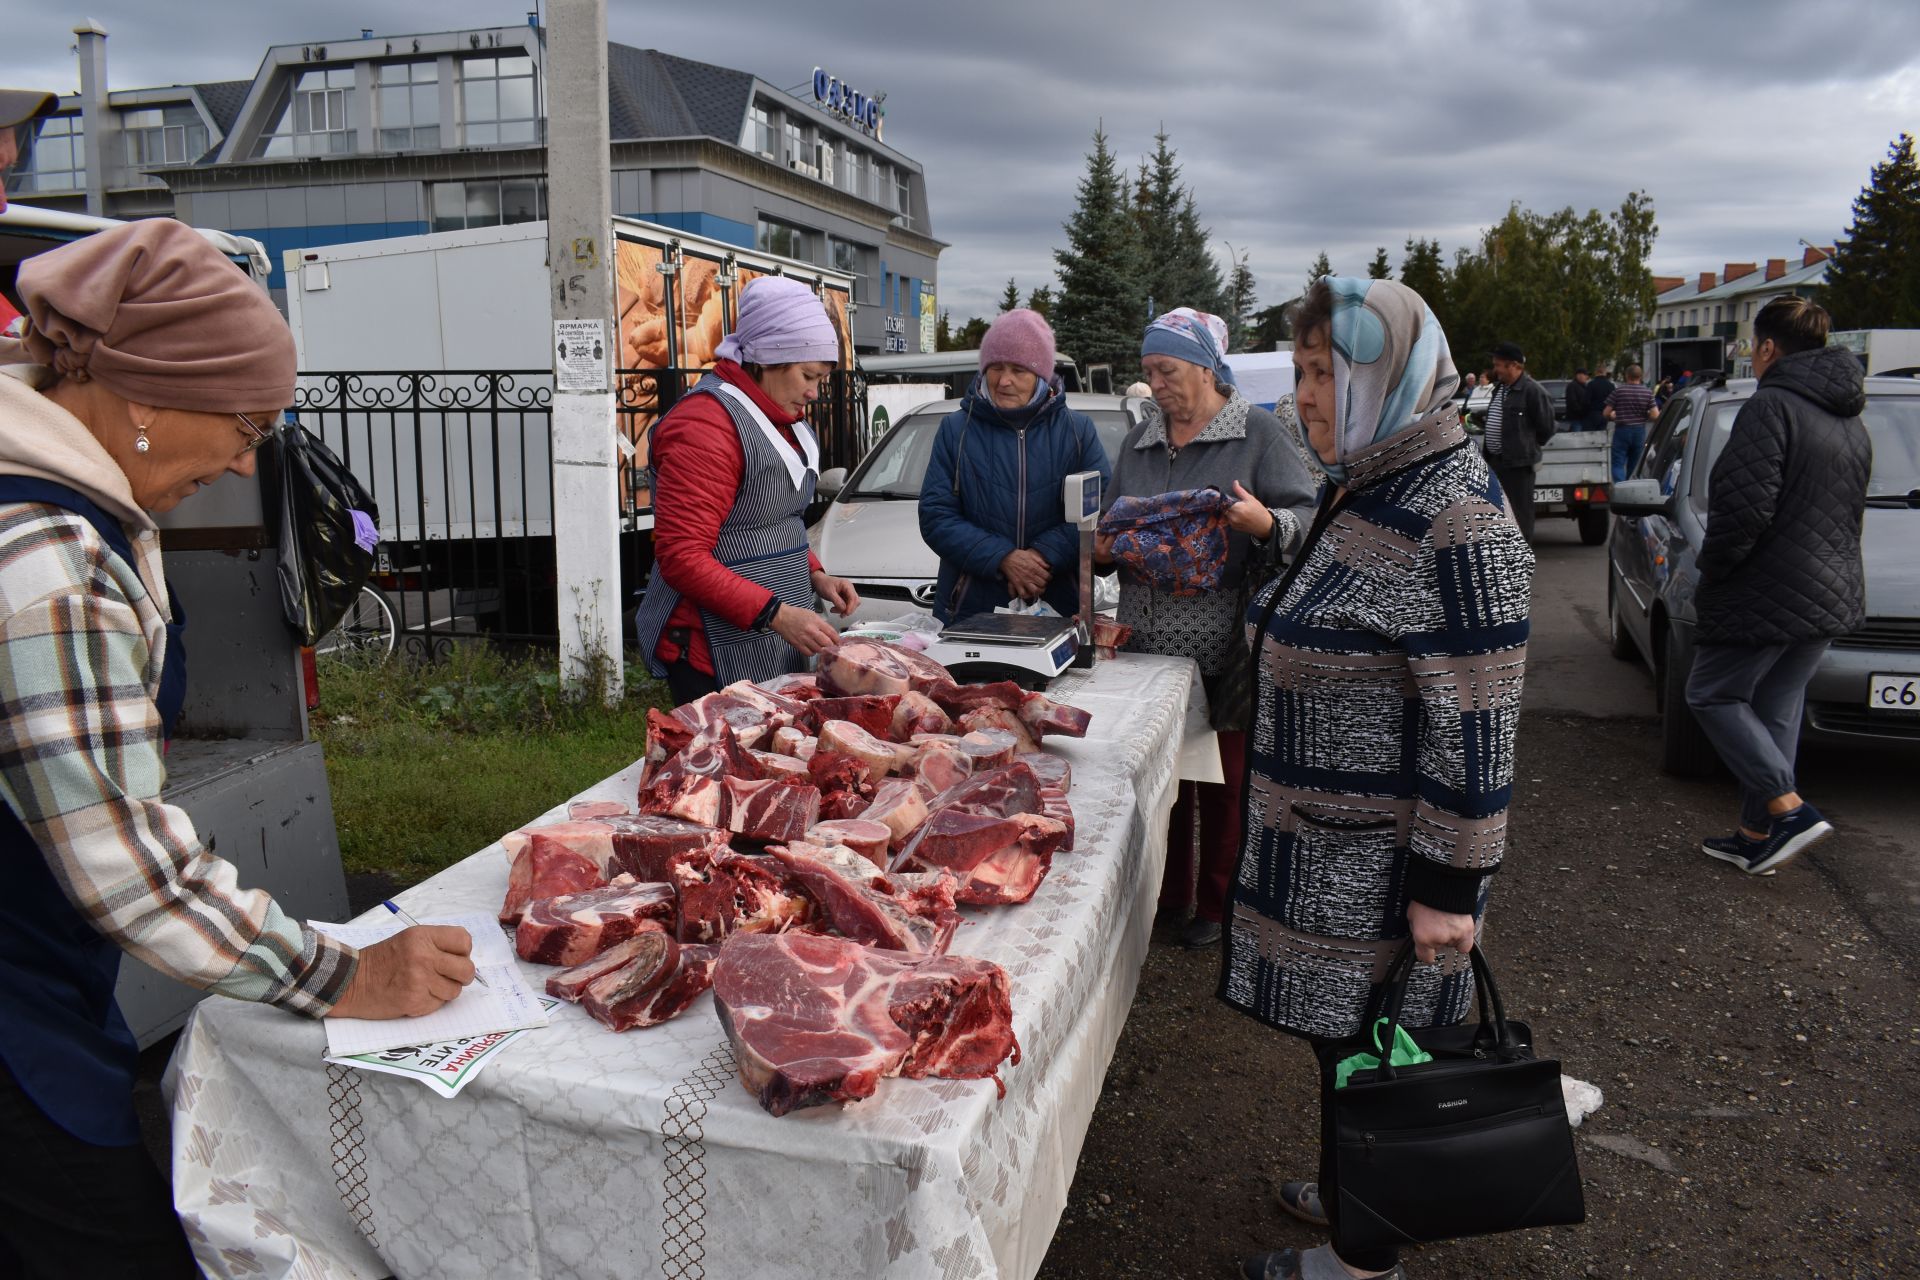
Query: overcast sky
x,y
1305,125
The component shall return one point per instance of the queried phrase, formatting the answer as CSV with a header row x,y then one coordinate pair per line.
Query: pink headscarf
x,y
155,314
781,322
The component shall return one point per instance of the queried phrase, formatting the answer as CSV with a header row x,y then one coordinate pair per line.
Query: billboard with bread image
x,y
672,344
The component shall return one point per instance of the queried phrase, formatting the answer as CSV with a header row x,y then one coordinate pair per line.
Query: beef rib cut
x,y
578,926
771,809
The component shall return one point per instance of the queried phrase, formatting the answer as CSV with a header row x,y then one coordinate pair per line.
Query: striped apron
x,y
763,539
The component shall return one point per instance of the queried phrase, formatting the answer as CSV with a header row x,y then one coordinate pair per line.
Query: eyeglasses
x,y
259,435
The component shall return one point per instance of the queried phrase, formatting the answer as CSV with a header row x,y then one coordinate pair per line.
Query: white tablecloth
x,y
581,1153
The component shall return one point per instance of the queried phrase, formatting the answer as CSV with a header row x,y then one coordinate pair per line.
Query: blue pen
x,y
411,923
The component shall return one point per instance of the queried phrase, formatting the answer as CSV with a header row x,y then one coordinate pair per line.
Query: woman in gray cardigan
x,y
1207,434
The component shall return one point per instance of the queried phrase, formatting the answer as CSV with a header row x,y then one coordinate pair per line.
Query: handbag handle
x,y
1493,1010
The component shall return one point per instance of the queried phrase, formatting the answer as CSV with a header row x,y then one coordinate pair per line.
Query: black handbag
x,y
1474,1142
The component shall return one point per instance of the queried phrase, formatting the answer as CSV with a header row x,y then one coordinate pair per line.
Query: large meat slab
x,y
578,926
816,1019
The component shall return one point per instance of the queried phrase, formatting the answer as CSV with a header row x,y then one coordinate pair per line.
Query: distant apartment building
x,y
345,140
1722,304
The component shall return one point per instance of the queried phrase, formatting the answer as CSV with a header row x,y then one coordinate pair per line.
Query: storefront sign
x,y
929,322
896,336
848,103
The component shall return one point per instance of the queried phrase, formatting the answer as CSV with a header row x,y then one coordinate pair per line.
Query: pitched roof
x,y
224,98
656,95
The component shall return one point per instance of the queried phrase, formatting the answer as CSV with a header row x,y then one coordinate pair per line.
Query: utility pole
x,y
586,498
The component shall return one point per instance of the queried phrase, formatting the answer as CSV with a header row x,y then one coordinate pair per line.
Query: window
x,y
853,177
58,161
800,150
160,136
845,255
407,105
486,202
902,199
784,239
1749,311
823,159
759,137
315,119
499,105
1661,461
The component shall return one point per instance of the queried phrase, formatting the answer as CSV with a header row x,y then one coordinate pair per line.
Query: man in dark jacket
x,y
1519,424
1576,415
1599,388
991,504
1780,572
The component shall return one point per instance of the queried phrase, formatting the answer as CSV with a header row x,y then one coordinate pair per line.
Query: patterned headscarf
x,y
1392,370
1193,336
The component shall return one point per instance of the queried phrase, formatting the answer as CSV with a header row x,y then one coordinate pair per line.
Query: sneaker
x,y
1200,935
1735,848
1788,836
1302,1200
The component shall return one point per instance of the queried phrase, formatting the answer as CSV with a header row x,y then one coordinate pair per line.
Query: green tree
x,y
1873,281
1010,299
1240,302
942,333
966,338
1424,271
1041,300
1380,268
1320,269
1271,327
1098,316
1178,268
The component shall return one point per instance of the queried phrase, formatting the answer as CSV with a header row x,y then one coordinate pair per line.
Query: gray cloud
x,y
1302,127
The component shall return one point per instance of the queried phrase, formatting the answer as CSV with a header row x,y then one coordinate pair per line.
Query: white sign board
x,y
579,355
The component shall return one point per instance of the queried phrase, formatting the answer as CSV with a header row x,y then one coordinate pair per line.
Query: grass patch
x,y
429,763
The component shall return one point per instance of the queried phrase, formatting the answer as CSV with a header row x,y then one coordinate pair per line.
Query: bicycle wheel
x,y
367,627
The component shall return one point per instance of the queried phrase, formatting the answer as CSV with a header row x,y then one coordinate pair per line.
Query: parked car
x,y
869,533
1866,690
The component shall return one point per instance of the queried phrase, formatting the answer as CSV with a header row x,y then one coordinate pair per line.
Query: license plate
x,y
1893,693
1549,495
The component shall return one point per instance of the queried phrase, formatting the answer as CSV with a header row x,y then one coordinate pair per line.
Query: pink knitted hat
x,y
1019,337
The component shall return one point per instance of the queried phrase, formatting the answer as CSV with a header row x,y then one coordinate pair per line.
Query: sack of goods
x,y
1174,542
1460,1131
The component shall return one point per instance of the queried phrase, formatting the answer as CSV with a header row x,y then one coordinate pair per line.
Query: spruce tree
x,y
1424,271
1100,312
1873,281
1010,299
1240,300
1178,268
1041,300
1380,268
1320,269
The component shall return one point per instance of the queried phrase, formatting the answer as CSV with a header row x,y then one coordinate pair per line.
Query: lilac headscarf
x,y
781,322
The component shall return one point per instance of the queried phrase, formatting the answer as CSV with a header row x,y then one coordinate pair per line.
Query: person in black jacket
x,y
1599,387
1519,424
1780,572
1576,415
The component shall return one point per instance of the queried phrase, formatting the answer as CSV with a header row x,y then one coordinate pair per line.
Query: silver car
x,y
870,533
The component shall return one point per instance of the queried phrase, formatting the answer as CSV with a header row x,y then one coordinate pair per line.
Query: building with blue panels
x,y
377,136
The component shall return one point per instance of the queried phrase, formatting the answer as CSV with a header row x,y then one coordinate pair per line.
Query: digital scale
x,y
1026,648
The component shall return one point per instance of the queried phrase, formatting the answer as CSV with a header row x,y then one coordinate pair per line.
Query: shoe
x,y
1788,836
1302,1200
1735,848
1200,935
1292,1264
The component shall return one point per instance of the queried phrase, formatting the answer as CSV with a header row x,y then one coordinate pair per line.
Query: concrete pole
x,y
586,500
91,41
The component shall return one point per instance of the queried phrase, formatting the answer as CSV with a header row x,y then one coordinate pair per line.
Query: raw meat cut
x,y
750,724
917,713
795,686
578,926
865,837
844,738
982,719
898,804
571,984
1049,769
771,809
658,983
787,741
870,712
780,766
958,699
688,785
860,666
940,765
733,893
858,900
779,709
1108,636
998,793
844,786
666,737
816,1020
990,748
646,845
581,810
546,862
1043,715
997,859
1054,804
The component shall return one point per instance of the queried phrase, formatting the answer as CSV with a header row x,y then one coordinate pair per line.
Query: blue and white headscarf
x,y
1193,336
1392,370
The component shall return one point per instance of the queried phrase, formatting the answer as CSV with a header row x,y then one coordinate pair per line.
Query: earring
x,y
140,445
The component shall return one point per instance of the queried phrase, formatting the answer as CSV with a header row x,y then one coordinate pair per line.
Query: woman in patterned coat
x,y
1387,691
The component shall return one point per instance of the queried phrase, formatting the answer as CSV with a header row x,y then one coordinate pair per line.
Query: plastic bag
x,y
1176,542
327,525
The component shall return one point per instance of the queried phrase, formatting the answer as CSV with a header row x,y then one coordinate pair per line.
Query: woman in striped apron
x,y
735,463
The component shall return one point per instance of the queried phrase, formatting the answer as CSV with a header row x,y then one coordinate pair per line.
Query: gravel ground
x,y
1756,1043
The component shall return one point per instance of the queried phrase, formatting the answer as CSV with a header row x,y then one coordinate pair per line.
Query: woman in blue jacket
x,y
991,504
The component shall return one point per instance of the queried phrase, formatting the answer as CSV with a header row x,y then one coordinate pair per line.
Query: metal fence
x,y
460,466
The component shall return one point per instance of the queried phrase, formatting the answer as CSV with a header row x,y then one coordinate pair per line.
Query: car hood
x,y
1893,572
865,540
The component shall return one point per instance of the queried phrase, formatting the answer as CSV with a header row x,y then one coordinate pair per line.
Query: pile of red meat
x,y
849,810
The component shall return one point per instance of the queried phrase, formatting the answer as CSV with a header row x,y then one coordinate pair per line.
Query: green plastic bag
x,y
1405,1054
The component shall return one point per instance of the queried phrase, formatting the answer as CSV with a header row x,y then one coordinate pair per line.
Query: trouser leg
x,y
1176,885
1365,1260
1778,701
69,1208
1220,828
1517,484
1721,690
687,682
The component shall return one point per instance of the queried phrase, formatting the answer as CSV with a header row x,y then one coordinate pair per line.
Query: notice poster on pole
x,y
579,355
